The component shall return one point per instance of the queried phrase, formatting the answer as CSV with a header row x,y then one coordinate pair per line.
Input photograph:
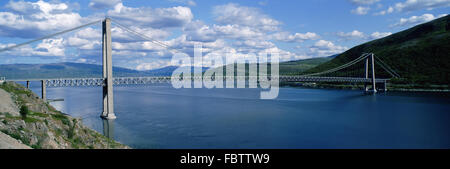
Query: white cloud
x,y
100,4
149,17
34,19
263,3
360,10
185,2
415,20
46,48
240,15
191,3
85,39
237,32
387,11
84,60
326,48
355,34
120,35
152,65
364,2
297,37
412,5
378,35
242,31
198,31
254,44
89,33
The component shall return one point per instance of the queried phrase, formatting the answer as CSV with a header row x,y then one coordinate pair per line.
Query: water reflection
x,y
108,128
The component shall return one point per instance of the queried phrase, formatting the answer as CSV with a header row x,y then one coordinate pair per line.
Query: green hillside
x,y
295,67
290,67
421,55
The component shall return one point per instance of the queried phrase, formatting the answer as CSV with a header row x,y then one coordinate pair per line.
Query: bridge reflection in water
x,y
108,128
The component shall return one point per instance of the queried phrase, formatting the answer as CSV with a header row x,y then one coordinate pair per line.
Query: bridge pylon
x,y
108,96
372,58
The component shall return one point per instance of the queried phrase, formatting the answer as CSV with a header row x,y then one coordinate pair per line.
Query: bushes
x,y
71,131
24,112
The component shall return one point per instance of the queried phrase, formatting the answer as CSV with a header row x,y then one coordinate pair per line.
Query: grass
x,y
17,137
26,119
31,120
37,114
51,108
64,119
58,132
38,145
77,143
12,89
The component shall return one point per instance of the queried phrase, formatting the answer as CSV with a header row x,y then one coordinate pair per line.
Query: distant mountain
x,y
167,71
60,70
290,67
74,70
421,55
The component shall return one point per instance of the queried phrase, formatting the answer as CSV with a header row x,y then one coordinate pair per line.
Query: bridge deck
x,y
67,82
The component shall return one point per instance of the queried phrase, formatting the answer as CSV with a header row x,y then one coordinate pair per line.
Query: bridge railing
x,y
74,82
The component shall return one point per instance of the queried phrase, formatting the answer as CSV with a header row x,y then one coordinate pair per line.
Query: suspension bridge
x,y
107,81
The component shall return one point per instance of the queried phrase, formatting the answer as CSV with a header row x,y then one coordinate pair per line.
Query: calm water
x,y
159,116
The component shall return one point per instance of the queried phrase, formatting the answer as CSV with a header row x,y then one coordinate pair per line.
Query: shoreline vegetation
x,y
36,124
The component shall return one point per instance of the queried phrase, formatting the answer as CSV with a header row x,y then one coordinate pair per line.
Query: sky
x,y
294,29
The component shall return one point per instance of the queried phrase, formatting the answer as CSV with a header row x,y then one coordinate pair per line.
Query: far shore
x,y
361,87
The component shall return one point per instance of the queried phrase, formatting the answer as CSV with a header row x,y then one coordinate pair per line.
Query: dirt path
x,y
7,104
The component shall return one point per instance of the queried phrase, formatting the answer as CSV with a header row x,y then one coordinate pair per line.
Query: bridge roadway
x,y
118,81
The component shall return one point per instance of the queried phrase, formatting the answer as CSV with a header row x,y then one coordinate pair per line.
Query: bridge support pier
x,y
384,86
108,97
43,90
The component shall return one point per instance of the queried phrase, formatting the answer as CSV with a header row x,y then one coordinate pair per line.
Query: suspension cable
x,y
145,37
387,68
363,56
49,36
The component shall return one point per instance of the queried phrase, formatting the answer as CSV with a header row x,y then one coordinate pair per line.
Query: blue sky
x,y
296,29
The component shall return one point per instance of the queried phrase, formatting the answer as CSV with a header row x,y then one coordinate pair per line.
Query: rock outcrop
x,y
42,126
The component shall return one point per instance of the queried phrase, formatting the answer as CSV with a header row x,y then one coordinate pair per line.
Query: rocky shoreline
x,y
33,123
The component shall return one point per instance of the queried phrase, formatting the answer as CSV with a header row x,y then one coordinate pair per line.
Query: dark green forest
x,y
421,55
